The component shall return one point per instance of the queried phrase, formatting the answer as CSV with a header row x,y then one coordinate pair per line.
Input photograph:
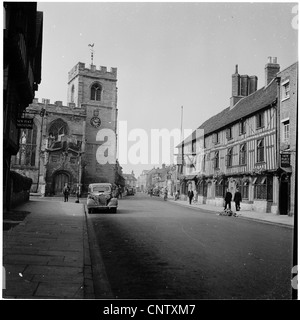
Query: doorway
x,y
284,194
60,179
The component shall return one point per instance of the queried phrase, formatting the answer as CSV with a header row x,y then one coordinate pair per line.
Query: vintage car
x,y
100,196
130,192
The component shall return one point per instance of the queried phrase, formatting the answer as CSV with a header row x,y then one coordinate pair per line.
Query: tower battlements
x,y
81,69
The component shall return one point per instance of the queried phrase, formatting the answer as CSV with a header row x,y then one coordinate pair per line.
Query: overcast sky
x,y
167,54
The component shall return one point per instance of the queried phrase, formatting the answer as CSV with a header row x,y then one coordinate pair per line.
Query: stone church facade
x,y
66,142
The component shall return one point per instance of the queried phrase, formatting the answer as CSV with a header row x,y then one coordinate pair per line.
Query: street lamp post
x,y
42,114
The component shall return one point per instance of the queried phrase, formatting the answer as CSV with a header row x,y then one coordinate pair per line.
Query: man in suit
x,y
237,199
228,197
190,196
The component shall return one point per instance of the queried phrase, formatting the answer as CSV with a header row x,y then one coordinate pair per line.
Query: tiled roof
x,y
245,107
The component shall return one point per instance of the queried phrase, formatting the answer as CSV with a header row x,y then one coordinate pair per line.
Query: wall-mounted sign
x,y
24,123
285,159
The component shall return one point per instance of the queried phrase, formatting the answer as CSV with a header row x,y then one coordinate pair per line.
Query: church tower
x,y
94,91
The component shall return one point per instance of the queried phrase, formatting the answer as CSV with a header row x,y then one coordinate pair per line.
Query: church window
x,y
58,129
27,151
96,90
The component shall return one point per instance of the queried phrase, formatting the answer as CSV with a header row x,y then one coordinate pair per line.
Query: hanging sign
x,y
24,123
285,160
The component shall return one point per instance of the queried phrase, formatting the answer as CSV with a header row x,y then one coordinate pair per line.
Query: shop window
x,y
245,190
260,188
219,187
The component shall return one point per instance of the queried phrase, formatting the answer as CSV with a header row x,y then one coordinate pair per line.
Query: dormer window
x,y
96,90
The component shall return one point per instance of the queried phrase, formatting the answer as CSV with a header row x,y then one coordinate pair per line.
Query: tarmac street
x,y
150,249
46,255
155,249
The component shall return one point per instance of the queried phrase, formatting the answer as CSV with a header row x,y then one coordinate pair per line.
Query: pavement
x,y
276,219
46,255
49,250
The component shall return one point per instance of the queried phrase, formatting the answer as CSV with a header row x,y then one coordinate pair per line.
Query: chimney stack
x,y
271,69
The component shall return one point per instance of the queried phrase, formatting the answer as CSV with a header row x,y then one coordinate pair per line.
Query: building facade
x,y
22,58
130,180
287,132
76,143
238,148
142,181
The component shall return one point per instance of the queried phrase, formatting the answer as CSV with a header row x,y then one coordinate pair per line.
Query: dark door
x,y
59,182
204,192
284,198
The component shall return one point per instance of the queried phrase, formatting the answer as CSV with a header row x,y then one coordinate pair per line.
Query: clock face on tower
x,y
95,122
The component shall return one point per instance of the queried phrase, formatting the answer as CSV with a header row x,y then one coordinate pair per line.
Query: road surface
x,y
155,249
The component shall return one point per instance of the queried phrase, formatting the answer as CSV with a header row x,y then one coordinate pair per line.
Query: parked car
x,y
156,192
100,196
130,192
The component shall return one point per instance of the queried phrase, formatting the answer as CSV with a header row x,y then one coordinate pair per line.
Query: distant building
x,y
160,178
239,149
142,181
66,145
130,180
22,61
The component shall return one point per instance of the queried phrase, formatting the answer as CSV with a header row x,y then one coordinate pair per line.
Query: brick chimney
x,y
271,69
242,86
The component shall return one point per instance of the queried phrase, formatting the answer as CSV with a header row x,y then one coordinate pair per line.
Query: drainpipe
x,y
277,132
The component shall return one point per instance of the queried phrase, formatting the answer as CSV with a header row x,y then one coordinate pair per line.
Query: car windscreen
x,y
101,189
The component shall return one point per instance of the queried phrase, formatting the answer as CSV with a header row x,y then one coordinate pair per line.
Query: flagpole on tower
x,y
92,53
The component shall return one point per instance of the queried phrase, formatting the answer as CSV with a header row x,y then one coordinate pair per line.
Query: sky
x,y
168,54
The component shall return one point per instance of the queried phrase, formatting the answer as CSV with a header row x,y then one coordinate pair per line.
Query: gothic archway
x,y
59,180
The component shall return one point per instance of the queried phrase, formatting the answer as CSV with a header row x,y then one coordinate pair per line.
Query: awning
x,y
120,180
190,177
286,169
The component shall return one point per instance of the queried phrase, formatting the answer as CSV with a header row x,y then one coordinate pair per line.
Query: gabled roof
x,y
129,176
245,107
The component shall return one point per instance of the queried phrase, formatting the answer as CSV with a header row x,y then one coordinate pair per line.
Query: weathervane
x,y
92,52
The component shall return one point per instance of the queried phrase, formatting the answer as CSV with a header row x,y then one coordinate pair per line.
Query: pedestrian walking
x,y
237,199
190,196
228,197
66,192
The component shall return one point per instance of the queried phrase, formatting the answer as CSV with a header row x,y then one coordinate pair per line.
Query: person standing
x,y
228,197
237,199
190,196
66,191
